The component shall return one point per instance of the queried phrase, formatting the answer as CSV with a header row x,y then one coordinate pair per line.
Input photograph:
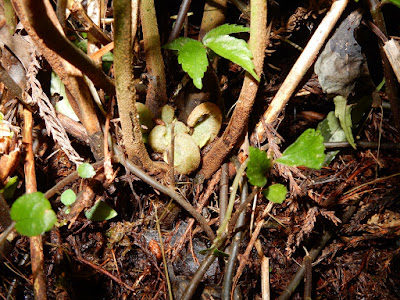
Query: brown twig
x,y
105,272
89,26
36,243
68,180
183,10
237,124
119,157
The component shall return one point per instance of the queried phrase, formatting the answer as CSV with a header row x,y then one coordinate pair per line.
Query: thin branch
x,y
119,157
183,10
36,243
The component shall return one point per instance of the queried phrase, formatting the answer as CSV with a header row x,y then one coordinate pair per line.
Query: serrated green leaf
x,y
258,167
86,170
307,150
276,193
101,211
193,58
68,197
177,44
225,29
32,214
236,50
343,113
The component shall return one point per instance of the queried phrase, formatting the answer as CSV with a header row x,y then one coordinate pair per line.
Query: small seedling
x,y
86,170
32,214
275,193
192,54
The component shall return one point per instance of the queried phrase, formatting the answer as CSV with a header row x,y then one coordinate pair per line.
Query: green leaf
x,y
192,56
68,197
395,2
332,132
225,29
234,49
86,170
219,253
32,214
276,193
258,167
10,188
343,113
307,150
101,211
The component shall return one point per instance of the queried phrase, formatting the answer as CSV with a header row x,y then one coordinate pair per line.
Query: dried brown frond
x,y
48,113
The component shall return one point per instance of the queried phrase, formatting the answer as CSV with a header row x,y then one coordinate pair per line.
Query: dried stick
x,y
36,243
265,290
183,10
223,191
79,12
68,180
303,63
237,124
253,239
119,157
308,276
126,91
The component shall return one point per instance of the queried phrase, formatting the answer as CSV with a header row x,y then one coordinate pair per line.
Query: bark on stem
x,y
157,90
126,92
237,124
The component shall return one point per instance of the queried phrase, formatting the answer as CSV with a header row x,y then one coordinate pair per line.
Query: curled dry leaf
x,y
206,119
